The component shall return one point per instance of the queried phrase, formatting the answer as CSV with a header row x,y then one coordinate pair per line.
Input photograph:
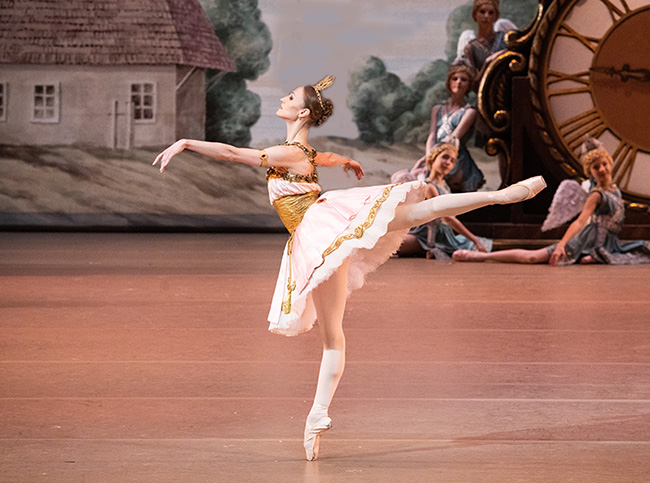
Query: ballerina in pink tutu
x,y
336,237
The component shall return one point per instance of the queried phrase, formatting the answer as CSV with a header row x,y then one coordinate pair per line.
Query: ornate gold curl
x,y
322,85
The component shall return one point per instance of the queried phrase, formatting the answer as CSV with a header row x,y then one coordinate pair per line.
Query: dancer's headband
x,y
323,84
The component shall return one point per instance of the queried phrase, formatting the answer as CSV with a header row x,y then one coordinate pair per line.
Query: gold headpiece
x,y
323,84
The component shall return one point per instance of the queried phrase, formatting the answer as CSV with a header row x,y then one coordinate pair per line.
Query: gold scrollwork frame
x,y
495,89
540,114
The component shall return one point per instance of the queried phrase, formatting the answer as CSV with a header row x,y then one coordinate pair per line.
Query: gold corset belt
x,y
292,208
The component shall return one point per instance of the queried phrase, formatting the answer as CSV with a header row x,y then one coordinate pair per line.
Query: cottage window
x,y
46,103
3,101
143,98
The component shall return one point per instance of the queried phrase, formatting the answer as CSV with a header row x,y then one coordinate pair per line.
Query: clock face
x,y
594,77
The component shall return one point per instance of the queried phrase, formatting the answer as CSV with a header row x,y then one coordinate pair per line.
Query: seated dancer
x,y
337,237
593,236
502,25
437,239
489,42
451,121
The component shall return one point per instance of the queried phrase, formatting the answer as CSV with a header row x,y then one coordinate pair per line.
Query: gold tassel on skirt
x,y
291,210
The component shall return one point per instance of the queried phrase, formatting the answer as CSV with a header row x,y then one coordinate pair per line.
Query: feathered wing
x,y
568,201
465,38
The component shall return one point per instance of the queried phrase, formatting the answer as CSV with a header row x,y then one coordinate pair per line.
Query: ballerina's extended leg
x,y
407,216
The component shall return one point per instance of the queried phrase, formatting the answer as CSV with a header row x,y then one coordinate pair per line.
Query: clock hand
x,y
624,73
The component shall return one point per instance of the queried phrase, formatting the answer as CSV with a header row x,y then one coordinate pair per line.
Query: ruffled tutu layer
x,y
342,224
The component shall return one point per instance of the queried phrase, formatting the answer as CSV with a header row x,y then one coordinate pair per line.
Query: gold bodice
x,y
292,208
281,173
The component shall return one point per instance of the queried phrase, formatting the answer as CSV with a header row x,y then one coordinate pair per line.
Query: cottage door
x,y
122,124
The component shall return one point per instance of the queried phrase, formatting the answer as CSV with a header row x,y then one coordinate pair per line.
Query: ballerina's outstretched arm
x,y
280,156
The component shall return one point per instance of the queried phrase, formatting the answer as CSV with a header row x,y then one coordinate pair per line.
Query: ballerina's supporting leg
x,y
329,299
407,216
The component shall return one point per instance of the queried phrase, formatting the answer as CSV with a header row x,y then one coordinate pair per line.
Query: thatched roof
x,y
109,32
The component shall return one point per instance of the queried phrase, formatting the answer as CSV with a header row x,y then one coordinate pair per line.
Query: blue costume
x,y
480,52
599,238
465,176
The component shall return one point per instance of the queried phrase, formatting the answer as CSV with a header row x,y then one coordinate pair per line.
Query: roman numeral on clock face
x,y
579,78
624,158
567,31
617,9
575,129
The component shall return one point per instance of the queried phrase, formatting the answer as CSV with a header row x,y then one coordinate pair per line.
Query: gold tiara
x,y
323,84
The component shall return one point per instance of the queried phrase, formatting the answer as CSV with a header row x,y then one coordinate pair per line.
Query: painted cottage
x,y
111,73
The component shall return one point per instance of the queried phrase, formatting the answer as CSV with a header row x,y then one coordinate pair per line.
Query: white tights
x,y
407,216
329,299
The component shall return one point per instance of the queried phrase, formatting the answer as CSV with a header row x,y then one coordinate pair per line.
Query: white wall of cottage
x,y
86,105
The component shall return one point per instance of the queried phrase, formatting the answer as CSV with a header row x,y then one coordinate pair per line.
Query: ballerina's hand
x,y
166,156
557,256
354,166
480,247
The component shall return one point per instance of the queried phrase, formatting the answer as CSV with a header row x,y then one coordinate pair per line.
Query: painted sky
x,y
314,38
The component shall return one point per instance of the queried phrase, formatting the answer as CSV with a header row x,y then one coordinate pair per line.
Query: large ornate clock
x,y
590,75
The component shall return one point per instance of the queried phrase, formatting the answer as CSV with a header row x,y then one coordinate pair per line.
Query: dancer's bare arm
x,y
465,124
419,163
574,228
432,139
328,160
458,227
280,156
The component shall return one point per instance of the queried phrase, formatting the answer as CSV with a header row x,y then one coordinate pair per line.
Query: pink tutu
x,y
350,223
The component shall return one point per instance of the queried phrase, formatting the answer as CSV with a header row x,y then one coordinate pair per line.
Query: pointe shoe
x,y
312,437
524,190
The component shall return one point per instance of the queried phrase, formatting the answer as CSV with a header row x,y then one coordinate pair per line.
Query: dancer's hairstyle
x,y
320,108
461,67
591,151
438,150
478,3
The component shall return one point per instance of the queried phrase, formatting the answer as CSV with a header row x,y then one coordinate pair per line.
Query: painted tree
x,y
377,98
387,110
231,108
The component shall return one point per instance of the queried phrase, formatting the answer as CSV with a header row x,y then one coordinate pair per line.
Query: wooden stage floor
x,y
145,358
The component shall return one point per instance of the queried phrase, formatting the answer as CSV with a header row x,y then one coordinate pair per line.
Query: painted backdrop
x,y
75,186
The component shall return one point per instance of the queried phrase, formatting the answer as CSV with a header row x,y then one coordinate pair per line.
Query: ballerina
x,y
337,237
